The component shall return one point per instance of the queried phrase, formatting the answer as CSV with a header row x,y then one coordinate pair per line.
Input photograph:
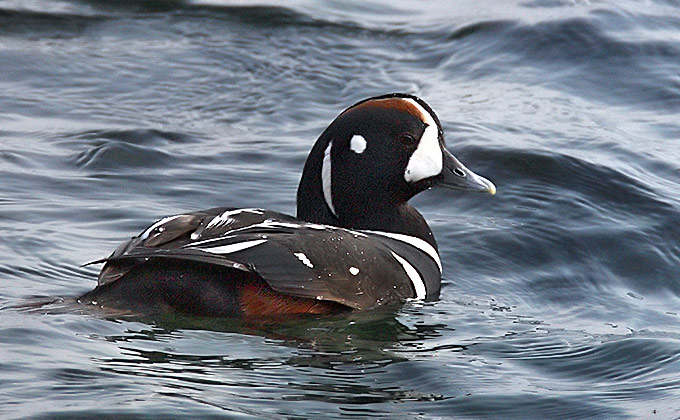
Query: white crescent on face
x,y
427,160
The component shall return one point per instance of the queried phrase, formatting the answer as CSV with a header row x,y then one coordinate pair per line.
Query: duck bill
x,y
455,175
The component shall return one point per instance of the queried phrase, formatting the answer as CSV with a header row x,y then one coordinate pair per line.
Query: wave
x,y
621,70
117,149
565,230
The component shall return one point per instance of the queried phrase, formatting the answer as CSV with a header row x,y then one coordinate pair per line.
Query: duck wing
x,y
357,269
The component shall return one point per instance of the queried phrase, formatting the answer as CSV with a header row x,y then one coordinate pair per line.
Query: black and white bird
x,y
355,244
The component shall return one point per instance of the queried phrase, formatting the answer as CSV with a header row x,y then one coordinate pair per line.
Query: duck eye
x,y
407,140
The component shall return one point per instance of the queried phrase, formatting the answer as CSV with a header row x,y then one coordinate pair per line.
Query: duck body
x,y
355,244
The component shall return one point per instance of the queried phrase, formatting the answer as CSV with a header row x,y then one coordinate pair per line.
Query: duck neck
x,y
403,219
360,209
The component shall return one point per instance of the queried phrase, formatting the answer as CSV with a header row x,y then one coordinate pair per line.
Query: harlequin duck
x,y
356,242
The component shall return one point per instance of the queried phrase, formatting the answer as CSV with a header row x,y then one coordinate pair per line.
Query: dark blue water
x,y
561,294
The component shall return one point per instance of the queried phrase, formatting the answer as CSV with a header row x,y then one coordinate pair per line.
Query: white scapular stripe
x,y
357,144
266,224
206,241
326,178
413,241
161,222
228,249
225,217
303,259
427,160
418,284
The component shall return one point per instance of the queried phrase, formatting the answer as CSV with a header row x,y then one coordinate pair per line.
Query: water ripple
x,y
561,295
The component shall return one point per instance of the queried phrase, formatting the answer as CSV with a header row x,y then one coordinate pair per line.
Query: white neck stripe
x,y
413,241
418,284
326,178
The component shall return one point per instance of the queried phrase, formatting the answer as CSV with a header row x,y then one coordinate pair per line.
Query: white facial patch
x,y
427,160
357,144
326,178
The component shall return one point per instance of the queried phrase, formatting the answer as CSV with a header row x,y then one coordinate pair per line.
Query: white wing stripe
x,y
418,284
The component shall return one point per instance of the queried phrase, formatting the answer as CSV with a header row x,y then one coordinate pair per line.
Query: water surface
x,y
560,294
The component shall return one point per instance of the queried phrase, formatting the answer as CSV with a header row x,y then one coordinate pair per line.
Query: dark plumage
x,y
356,242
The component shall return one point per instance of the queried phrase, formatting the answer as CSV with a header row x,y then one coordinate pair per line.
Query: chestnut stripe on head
x,y
402,104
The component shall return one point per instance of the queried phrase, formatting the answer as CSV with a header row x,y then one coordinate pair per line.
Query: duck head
x,y
373,158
